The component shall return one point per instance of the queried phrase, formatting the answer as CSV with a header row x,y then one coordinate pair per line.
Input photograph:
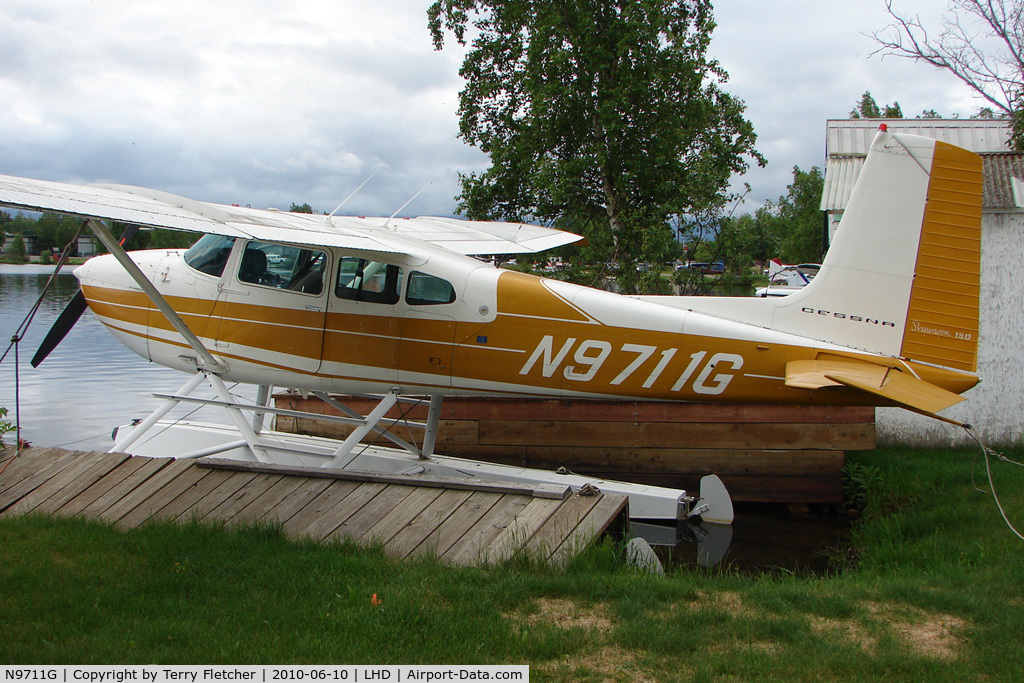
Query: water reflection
x,y
88,385
768,537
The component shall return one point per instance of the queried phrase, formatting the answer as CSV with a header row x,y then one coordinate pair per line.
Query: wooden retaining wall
x,y
763,453
458,521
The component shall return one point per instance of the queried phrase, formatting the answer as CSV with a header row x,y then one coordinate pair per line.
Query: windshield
x,y
210,254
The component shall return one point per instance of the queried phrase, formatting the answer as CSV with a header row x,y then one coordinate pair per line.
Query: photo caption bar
x,y
153,673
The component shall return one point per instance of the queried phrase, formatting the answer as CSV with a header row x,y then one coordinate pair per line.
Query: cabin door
x,y
272,310
428,333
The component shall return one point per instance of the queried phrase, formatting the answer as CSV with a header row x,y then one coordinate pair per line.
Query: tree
x,y
16,252
867,108
159,238
795,220
55,230
5,222
981,42
603,114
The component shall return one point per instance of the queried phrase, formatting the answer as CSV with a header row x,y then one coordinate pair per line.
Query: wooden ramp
x,y
458,521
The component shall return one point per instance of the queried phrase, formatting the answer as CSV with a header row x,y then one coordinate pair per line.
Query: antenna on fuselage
x,y
407,203
345,201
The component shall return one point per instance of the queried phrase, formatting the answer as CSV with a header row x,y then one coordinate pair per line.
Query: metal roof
x,y
1002,181
854,136
1002,171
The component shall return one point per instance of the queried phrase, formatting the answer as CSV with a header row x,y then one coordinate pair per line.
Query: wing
x,y
152,208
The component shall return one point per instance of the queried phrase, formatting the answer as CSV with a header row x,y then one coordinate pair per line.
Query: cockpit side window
x,y
210,254
283,267
373,281
428,290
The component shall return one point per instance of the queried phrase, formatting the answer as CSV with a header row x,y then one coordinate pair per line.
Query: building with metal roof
x,y
996,405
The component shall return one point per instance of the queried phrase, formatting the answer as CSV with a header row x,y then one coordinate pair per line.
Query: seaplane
x,y
409,309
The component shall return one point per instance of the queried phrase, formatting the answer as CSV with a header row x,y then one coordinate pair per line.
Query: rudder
x,y
942,318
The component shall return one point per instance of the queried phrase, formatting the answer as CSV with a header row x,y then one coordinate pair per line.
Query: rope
x,y
988,469
17,399
19,334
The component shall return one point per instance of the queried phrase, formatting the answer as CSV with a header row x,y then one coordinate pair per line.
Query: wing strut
x,y
205,359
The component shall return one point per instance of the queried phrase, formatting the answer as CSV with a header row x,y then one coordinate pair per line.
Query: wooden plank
x,y
521,530
478,408
600,517
455,525
153,507
216,497
450,431
76,505
401,516
270,499
510,434
471,547
316,508
351,504
360,521
146,469
145,490
195,493
77,467
18,467
654,434
82,483
290,506
458,526
425,523
13,491
560,525
237,502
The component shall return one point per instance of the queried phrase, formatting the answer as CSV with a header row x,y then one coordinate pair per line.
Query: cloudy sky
x,y
267,103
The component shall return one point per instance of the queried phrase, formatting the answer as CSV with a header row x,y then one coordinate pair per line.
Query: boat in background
x,y
784,280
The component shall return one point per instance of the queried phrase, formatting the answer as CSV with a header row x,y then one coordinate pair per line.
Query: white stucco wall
x,y
996,406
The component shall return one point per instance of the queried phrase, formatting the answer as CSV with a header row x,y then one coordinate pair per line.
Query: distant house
x,y
86,246
996,405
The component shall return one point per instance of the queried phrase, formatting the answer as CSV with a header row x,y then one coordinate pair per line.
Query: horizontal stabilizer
x,y
889,383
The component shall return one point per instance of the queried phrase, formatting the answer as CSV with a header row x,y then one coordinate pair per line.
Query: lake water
x,y
89,385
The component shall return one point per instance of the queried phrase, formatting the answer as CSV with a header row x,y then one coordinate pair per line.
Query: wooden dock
x,y
763,453
460,522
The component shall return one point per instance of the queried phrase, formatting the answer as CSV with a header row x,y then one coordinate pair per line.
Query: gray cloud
x,y
265,104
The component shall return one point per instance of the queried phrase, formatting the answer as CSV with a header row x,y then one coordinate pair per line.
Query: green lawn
x,y
930,588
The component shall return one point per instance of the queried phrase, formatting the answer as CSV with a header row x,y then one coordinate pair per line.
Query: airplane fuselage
x,y
442,323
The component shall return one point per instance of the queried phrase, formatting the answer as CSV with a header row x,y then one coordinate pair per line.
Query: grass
x,y
931,588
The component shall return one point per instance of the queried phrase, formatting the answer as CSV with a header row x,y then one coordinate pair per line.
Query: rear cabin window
x,y
210,254
373,281
427,290
283,267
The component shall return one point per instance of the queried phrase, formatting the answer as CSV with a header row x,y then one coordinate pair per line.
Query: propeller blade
x,y
67,319
70,315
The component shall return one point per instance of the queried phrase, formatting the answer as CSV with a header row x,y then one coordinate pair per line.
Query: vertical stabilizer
x,y
902,275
